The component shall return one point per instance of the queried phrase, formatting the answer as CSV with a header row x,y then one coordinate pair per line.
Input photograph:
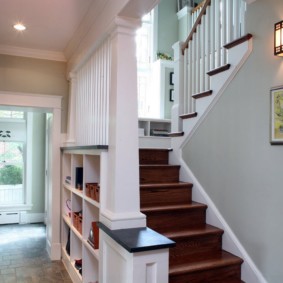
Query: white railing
x,y
11,194
215,23
92,98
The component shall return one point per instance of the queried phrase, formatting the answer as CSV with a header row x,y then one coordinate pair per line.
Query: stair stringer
x,y
237,57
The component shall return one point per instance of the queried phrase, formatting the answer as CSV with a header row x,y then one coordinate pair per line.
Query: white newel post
x,y
178,106
122,205
72,110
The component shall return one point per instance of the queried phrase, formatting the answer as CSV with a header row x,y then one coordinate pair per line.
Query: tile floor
x,y
23,257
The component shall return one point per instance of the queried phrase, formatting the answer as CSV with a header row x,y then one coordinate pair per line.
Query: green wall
x,y
167,26
20,74
38,163
231,155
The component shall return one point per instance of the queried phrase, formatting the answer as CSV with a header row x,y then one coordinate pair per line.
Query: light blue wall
x,y
167,26
38,163
230,153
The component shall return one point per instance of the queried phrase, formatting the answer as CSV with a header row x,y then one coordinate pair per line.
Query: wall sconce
x,y
278,39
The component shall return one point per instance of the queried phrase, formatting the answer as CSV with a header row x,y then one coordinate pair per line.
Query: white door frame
x,y
52,104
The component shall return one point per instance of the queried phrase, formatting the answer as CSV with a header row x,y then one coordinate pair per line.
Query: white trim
x,y
19,207
49,104
21,99
54,250
32,53
28,160
34,217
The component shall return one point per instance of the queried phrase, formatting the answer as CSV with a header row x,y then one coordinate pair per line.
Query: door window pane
x,y
11,173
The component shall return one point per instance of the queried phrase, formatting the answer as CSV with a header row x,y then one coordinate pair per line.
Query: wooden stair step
x,y
196,240
165,194
202,94
219,70
189,115
213,267
191,206
159,173
176,134
196,231
175,217
154,155
238,41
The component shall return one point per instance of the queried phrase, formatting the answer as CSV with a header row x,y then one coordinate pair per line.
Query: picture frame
x,y
171,95
171,78
276,115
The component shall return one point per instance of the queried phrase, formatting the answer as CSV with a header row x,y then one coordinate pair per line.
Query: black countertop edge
x,y
80,147
138,239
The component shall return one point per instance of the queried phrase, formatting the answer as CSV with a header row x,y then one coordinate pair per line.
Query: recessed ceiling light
x,y
19,27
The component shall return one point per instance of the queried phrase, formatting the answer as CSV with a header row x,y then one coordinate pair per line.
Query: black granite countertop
x,y
138,239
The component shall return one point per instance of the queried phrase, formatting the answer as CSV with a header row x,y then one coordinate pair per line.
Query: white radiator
x,y
9,217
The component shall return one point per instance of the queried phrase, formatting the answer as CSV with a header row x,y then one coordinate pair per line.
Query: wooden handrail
x,y
200,5
194,29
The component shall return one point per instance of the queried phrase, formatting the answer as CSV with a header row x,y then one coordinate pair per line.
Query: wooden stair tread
x,y
193,205
165,185
204,262
155,149
196,231
189,115
238,41
219,70
202,94
176,134
154,166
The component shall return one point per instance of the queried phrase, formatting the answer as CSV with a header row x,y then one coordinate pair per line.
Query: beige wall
x,y
231,156
19,74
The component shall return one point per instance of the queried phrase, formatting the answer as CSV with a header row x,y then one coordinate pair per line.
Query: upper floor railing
x,y
92,98
215,23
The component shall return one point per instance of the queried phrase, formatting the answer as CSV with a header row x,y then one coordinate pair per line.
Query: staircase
x,y
170,210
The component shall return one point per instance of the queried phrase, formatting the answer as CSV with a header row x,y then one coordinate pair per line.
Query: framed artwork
x,y
171,78
171,95
276,115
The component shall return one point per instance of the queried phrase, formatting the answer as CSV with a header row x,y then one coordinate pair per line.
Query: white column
x,y
177,108
71,126
122,205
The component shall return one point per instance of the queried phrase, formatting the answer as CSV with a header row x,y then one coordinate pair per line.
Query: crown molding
x,y
32,53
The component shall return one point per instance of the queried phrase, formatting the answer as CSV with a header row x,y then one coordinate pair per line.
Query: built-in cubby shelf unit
x,y
154,127
76,200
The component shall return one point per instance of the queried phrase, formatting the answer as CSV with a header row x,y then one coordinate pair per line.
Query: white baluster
x,y
207,49
223,31
212,32
236,9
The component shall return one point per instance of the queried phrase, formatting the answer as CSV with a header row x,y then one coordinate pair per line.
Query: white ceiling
x,y
50,24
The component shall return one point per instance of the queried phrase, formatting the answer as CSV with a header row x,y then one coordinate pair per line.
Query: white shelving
x,y
75,200
150,124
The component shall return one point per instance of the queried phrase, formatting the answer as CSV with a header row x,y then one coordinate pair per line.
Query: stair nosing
x,y
238,41
202,94
159,165
176,134
205,264
193,232
189,115
219,70
190,206
166,185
